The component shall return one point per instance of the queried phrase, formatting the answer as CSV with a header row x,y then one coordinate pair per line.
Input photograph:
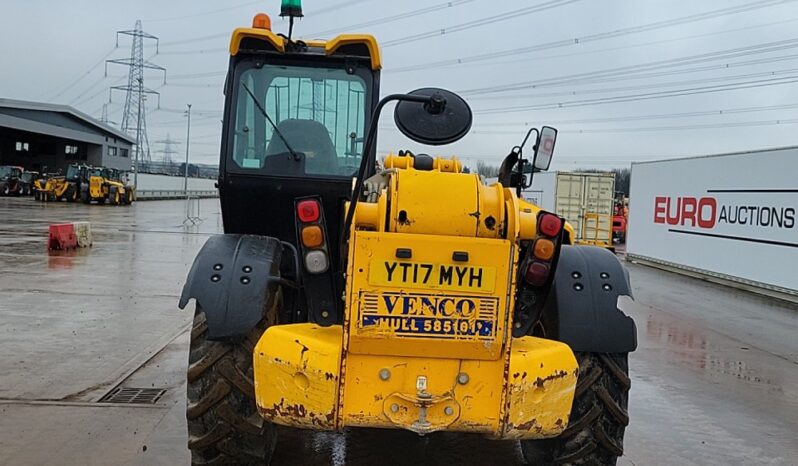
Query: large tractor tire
x,y
114,196
71,193
598,417
84,196
223,422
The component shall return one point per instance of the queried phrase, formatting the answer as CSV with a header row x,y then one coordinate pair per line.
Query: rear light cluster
x,y
537,271
544,249
311,235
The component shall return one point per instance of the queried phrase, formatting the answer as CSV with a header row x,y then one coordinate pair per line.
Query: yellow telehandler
x,y
409,295
105,184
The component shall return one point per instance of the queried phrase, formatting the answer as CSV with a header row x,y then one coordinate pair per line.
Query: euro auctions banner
x,y
735,215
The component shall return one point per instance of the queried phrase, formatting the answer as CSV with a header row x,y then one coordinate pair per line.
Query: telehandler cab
x,y
419,299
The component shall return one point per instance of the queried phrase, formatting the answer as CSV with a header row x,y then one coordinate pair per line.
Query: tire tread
x,y
223,423
599,416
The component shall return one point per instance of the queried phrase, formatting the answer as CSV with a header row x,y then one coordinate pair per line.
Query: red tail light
x,y
537,273
550,225
308,210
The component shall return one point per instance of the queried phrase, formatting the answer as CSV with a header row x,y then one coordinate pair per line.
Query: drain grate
x,y
134,395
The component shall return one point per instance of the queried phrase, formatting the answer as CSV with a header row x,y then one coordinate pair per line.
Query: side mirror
x,y
544,150
443,120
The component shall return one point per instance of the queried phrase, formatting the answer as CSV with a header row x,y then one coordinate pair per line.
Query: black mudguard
x,y
234,279
584,301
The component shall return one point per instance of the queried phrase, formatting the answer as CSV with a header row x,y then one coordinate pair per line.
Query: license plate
x,y
471,278
431,316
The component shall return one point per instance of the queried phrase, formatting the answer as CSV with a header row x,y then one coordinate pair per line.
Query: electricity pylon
x,y
134,115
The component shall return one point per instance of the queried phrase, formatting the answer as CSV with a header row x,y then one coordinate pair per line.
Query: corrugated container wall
x,y
584,199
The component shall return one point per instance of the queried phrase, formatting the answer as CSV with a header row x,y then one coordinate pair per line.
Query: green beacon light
x,y
291,8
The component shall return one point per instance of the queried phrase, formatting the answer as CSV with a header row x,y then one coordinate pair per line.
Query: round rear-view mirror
x,y
445,119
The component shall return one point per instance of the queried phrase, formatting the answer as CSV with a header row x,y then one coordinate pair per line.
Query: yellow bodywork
x,y
100,189
54,188
426,342
97,191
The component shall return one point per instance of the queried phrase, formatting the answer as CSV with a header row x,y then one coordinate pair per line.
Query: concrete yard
x,y
715,378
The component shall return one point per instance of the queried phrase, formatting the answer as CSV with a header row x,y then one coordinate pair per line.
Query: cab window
x,y
319,114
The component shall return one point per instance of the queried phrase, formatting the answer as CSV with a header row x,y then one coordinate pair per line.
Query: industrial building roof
x,y
58,116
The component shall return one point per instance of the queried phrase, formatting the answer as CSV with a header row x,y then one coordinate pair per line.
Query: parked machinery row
x,y
86,184
14,181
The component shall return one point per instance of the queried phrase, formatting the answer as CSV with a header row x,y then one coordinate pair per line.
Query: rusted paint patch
x,y
297,415
304,348
539,382
532,424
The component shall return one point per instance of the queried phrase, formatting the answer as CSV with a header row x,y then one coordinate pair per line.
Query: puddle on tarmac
x,y
683,344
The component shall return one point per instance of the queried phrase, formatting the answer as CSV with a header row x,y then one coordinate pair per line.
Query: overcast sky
x,y
623,80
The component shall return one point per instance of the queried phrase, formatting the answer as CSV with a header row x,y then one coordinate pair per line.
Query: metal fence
x,y
159,195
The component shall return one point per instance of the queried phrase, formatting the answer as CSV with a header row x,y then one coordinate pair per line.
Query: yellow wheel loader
x,y
410,296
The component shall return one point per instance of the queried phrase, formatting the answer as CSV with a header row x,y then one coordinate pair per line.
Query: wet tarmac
x,y
715,380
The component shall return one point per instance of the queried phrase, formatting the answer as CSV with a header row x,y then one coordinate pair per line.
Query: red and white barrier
x,y
64,236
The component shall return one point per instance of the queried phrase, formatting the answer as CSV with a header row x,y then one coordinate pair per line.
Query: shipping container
x,y
585,200
729,218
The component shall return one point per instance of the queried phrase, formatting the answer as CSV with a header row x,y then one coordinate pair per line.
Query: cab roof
x,y
353,45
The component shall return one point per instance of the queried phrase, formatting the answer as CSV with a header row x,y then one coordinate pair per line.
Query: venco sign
x,y
730,215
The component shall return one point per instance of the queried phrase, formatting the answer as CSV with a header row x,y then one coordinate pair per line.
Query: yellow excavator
x,y
410,295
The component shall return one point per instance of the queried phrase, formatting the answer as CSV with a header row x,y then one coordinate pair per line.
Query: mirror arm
x,y
369,157
528,133
521,161
532,173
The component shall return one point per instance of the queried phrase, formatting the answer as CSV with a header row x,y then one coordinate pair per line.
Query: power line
x,y
642,86
728,111
380,21
595,37
191,40
629,70
336,7
470,25
647,129
646,96
610,49
204,13
91,87
82,76
393,18
789,121
193,112
101,91
210,74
